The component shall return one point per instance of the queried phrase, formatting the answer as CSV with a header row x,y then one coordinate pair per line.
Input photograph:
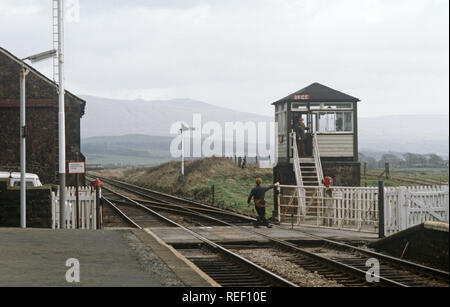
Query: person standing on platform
x,y
258,195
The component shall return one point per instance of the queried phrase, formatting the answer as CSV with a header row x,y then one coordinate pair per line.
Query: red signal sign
x,y
302,97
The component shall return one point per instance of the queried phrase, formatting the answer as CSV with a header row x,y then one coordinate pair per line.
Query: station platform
x,y
118,257
233,235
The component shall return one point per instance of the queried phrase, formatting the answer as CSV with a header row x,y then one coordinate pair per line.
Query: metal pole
x,y
381,233
61,116
182,154
23,185
77,201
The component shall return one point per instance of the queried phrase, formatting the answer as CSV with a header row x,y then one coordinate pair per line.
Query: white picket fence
x,y
405,207
356,208
87,209
339,208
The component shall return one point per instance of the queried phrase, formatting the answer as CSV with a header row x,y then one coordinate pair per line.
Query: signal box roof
x,y
317,92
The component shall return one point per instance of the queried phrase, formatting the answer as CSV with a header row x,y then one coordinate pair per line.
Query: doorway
x,y
310,121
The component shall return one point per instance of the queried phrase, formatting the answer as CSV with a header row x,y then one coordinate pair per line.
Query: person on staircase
x,y
258,194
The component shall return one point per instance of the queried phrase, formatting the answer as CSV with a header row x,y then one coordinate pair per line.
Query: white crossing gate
x,y
345,208
83,218
357,208
406,207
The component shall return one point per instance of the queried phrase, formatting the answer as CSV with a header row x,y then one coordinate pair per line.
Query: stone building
x,y
41,121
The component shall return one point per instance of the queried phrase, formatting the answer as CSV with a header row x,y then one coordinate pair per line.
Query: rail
x,y
392,274
317,160
301,192
277,280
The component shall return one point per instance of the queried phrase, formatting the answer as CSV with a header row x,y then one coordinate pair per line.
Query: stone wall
x,y
418,244
39,210
347,174
343,173
41,122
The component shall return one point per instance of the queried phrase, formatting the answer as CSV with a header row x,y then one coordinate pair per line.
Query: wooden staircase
x,y
308,174
310,180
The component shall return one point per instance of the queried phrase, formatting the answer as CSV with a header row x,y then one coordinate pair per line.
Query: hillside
x,y
127,149
111,118
231,183
421,134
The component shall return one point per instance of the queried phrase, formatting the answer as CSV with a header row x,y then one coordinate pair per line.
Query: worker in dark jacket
x,y
300,133
258,193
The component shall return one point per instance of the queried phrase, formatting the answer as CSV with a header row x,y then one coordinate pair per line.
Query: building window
x,y
335,122
281,119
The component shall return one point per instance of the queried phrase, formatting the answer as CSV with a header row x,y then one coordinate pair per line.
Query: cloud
x,y
246,54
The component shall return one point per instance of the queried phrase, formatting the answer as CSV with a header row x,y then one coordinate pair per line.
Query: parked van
x,y
32,180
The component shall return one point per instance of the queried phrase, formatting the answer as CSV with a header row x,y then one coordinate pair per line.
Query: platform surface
x,y
228,234
34,257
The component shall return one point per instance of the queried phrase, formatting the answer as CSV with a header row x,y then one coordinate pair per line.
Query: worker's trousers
x,y
261,219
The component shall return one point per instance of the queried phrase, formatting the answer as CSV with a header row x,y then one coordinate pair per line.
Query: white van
x,y
32,180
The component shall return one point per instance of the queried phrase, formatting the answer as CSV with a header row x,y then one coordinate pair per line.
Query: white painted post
x,y
446,202
53,210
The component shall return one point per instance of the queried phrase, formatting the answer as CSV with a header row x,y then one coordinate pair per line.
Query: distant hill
x,y
405,133
127,149
140,128
109,117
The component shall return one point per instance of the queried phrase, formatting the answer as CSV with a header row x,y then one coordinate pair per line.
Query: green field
x,y
233,192
118,160
407,177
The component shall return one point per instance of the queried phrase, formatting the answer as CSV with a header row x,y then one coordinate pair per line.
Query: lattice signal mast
x,y
55,34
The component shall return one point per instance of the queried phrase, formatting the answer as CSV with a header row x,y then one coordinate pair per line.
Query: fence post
x,y
276,204
53,210
402,209
381,233
97,203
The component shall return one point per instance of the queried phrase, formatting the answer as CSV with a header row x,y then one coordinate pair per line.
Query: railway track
x,y
224,266
162,201
336,261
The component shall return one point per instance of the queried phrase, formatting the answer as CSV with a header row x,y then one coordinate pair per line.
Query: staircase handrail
x,y
317,160
301,192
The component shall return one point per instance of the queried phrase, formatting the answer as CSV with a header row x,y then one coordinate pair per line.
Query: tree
x,y
415,160
433,160
393,160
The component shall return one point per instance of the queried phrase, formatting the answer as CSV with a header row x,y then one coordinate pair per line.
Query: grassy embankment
x,y
231,183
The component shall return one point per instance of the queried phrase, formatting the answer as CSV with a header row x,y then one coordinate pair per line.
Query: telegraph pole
x,y
182,130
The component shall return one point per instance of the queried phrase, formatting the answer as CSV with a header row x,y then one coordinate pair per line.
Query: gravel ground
x,y
152,263
275,260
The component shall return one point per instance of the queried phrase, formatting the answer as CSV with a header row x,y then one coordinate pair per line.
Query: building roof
x,y
317,92
40,75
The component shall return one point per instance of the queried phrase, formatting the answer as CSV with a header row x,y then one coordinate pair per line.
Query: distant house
x,y
41,121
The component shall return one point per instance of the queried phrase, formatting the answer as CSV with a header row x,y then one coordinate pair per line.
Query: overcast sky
x,y
245,54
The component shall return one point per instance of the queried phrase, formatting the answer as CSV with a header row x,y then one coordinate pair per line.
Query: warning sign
x,y
77,167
